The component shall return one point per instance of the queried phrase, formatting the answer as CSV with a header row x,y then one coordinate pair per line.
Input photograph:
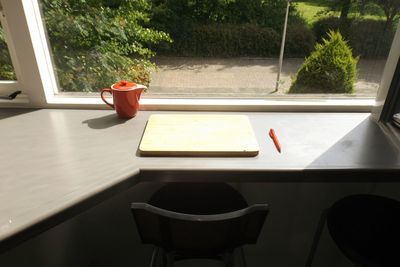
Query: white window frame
x,y
37,80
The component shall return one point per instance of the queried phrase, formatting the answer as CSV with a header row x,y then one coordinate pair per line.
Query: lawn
x,y
312,10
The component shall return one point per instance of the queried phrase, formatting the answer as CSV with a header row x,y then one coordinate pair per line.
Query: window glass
x,y
6,68
222,48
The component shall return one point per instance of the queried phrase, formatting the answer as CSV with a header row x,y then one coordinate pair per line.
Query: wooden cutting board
x,y
198,135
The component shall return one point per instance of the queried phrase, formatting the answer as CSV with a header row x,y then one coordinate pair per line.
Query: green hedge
x,y
300,41
366,37
229,40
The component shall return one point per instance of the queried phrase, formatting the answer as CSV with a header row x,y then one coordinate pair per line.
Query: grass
x,y
312,10
310,13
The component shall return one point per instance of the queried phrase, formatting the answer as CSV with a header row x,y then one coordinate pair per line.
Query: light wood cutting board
x,y
198,135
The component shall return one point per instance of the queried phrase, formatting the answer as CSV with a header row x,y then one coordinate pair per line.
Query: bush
x,y
331,68
267,13
324,25
229,40
226,40
300,41
192,25
367,38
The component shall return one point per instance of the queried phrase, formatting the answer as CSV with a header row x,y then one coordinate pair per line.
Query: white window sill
x,y
311,105
338,105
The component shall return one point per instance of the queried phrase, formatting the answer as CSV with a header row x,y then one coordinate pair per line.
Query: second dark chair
x,y
198,220
366,228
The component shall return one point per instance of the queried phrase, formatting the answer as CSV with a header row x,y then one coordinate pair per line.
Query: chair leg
x,y
317,236
242,257
228,259
167,259
170,259
154,257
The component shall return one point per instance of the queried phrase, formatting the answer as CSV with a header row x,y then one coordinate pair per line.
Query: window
x,y
209,50
227,49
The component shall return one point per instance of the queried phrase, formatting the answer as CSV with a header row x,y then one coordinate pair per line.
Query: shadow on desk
x,y
365,146
104,122
11,112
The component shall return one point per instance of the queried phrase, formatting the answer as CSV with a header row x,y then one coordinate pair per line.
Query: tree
x,y
96,43
391,9
345,6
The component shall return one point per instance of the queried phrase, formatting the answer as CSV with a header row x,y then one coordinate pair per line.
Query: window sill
x,y
315,105
306,105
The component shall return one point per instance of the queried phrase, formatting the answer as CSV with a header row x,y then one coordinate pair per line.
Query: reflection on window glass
x,y
222,48
6,68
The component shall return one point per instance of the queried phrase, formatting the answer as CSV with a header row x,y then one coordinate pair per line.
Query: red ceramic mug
x,y
126,97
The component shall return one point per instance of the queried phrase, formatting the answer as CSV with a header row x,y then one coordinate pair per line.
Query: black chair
x,y
366,228
198,220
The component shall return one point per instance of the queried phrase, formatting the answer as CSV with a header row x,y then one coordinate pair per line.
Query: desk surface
x,y
56,163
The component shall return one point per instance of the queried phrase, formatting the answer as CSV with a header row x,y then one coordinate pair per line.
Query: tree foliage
x,y
391,9
96,43
331,68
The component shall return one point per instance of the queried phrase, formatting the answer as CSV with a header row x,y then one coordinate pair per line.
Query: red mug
x,y
126,97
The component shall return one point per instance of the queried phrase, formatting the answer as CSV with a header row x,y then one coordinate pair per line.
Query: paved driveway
x,y
242,77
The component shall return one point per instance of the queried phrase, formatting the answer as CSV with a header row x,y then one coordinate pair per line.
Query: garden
x,y
95,43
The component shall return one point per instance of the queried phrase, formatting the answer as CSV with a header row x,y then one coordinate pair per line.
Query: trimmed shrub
x,y
226,40
331,68
191,25
367,38
229,40
168,15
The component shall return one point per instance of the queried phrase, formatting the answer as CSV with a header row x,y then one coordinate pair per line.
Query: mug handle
x,y
102,97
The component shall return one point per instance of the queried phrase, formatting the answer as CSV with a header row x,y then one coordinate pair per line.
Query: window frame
x,y
36,78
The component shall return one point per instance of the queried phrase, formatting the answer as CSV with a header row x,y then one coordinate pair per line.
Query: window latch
x,y
11,96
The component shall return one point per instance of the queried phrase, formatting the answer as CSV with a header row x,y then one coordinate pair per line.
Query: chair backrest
x,y
199,235
198,219
198,198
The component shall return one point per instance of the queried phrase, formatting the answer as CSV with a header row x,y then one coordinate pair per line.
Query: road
x,y
242,77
